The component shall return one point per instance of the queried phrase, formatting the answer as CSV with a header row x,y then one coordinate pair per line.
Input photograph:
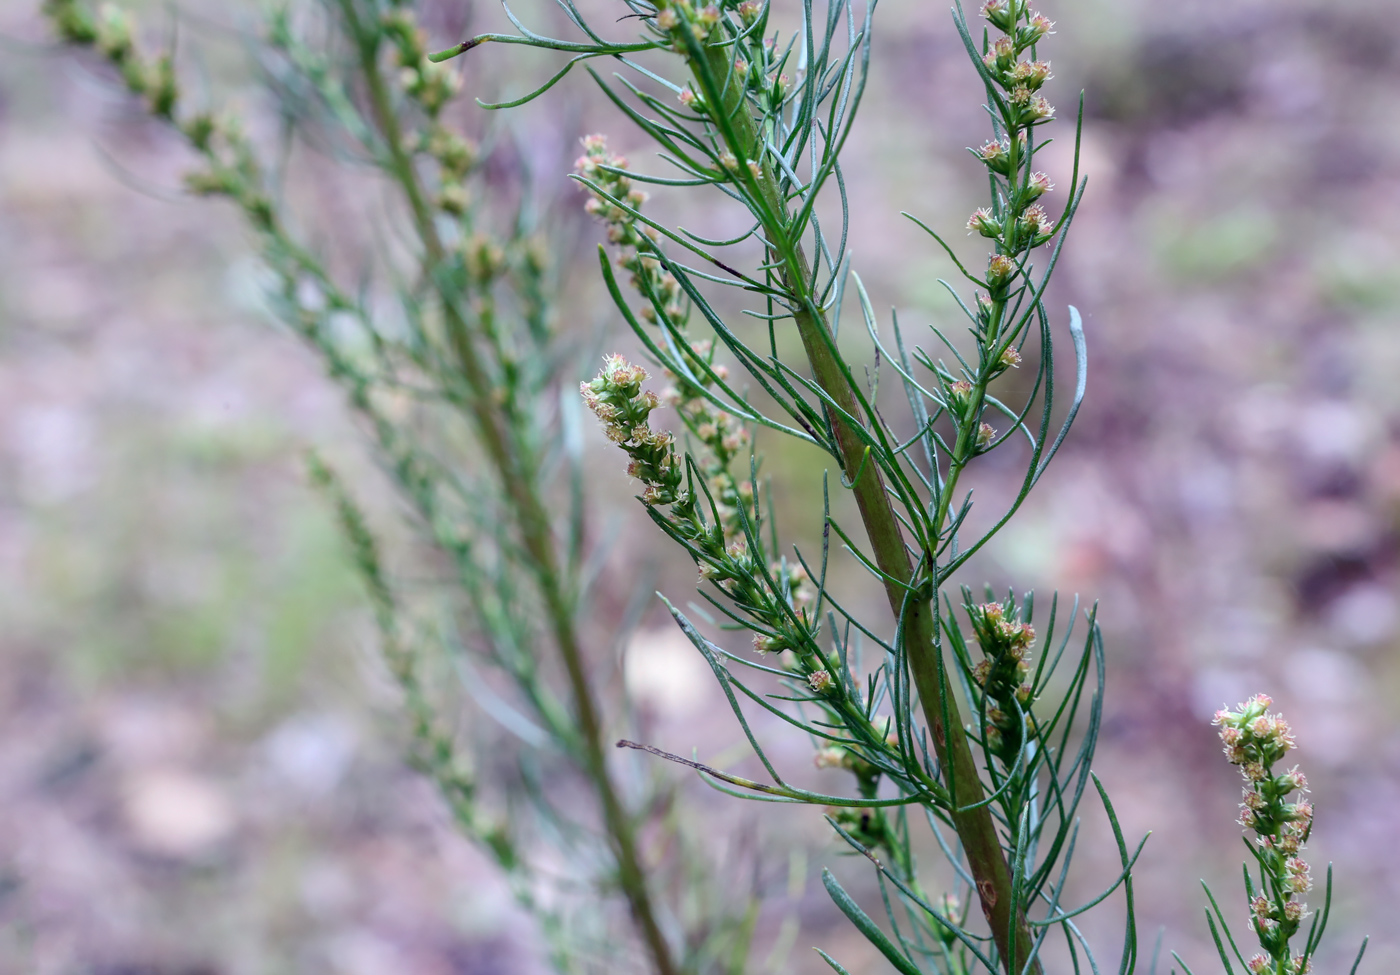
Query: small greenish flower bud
x,y
764,643
749,12
830,758
162,89
994,739
694,101
114,32
729,161
986,433
485,261
1037,27
709,571
1035,226
213,183
199,129
1000,269
432,85
708,17
72,21
453,198
995,156
453,153
1003,14
981,672
667,20
1009,358
820,682
984,223
959,395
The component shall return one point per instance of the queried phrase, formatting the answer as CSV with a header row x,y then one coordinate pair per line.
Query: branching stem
x,y
972,820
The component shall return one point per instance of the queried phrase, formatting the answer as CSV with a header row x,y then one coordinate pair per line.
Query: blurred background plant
x,y
446,348
191,779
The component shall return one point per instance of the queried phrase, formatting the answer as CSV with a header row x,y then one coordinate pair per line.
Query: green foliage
x,y
762,120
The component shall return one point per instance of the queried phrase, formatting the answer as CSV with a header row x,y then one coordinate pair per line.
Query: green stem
x,y
518,476
975,827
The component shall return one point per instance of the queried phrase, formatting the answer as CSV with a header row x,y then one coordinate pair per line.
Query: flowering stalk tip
x,y
1256,739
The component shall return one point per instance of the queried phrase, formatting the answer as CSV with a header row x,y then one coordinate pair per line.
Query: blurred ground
x,y
198,763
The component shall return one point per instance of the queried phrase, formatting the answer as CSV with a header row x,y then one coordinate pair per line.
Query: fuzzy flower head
x,y
1038,185
1037,27
1035,226
995,154
1031,74
984,223
749,11
763,643
1003,14
959,397
1001,268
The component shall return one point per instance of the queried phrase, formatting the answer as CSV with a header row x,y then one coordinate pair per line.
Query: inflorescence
x,y
1256,740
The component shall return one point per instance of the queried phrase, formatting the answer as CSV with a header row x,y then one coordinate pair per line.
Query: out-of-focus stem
x,y
519,479
975,827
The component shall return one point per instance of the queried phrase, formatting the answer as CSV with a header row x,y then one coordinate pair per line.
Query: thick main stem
x,y
533,521
975,826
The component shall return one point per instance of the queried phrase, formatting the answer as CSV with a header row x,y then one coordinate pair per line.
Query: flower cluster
x,y
111,33
429,84
723,436
615,395
1005,640
680,15
601,168
772,599
1256,739
758,66
1016,222
231,168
